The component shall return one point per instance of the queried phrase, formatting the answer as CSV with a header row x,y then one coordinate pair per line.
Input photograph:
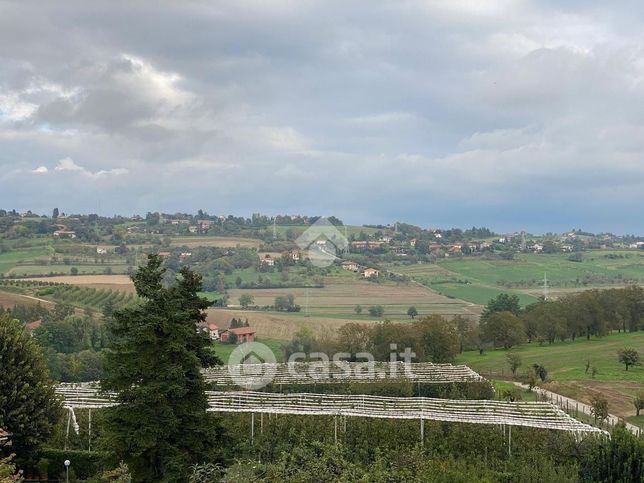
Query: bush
x,y
84,463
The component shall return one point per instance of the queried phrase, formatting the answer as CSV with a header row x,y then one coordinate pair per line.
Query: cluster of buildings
x,y
239,334
354,267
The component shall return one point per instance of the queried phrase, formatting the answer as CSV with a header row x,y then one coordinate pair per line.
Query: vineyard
x,y
78,296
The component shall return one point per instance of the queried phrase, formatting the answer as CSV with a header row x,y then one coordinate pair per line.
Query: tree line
x,y
504,323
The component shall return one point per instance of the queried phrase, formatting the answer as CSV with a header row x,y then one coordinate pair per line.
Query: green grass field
x,y
566,365
12,258
527,270
478,279
567,360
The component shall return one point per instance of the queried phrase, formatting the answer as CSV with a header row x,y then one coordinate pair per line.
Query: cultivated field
x,y
9,299
340,295
479,279
566,365
215,241
112,282
280,326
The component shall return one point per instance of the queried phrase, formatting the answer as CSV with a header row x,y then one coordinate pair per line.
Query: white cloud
x,y
68,164
452,104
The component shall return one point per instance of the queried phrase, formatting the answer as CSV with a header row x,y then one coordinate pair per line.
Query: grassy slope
x,y
566,364
477,279
10,259
531,268
567,360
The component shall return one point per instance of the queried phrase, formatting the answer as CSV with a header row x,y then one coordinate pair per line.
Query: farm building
x,y
4,437
243,334
211,329
267,261
205,224
351,266
164,254
370,272
64,234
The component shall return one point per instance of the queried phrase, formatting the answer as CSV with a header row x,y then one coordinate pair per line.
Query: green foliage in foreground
x,y
28,406
303,449
161,425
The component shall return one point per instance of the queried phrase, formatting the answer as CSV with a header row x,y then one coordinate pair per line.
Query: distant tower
x,y
523,240
545,286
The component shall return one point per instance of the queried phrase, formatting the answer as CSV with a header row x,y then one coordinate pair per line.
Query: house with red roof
x,y
243,334
4,437
31,326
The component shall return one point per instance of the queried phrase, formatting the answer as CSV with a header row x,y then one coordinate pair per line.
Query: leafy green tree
x,y
438,339
638,402
618,459
120,474
358,309
245,300
376,310
629,357
599,408
8,470
29,408
514,361
502,303
531,377
160,426
412,312
503,329
540,371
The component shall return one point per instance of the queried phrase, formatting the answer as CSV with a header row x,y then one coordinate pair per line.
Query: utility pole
x,y
545,286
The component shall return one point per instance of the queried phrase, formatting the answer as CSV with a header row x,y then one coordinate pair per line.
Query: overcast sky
x,y
511,114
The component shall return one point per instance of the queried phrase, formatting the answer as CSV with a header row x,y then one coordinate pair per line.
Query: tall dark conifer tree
x,y
29,408
160,426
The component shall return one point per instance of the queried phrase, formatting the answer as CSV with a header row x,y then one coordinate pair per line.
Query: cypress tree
x,y
161,426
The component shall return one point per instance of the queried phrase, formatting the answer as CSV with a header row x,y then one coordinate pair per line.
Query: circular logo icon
x,y
322,255
252,365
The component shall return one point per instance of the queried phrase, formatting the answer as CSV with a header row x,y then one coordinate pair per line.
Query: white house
x,y
370,272
351,266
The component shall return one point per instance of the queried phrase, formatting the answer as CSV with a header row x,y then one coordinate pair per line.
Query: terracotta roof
x,y
34,325
4,434
212,326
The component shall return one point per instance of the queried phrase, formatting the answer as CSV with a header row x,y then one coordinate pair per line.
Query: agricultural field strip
x,y
332,373
527,414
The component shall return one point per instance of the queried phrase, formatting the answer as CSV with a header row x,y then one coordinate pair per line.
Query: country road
x,y
567,403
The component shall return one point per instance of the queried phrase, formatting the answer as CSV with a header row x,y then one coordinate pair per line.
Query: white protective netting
x,y
530,414
340,372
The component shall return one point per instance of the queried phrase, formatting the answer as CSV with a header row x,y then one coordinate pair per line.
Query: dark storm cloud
x,y
514,114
